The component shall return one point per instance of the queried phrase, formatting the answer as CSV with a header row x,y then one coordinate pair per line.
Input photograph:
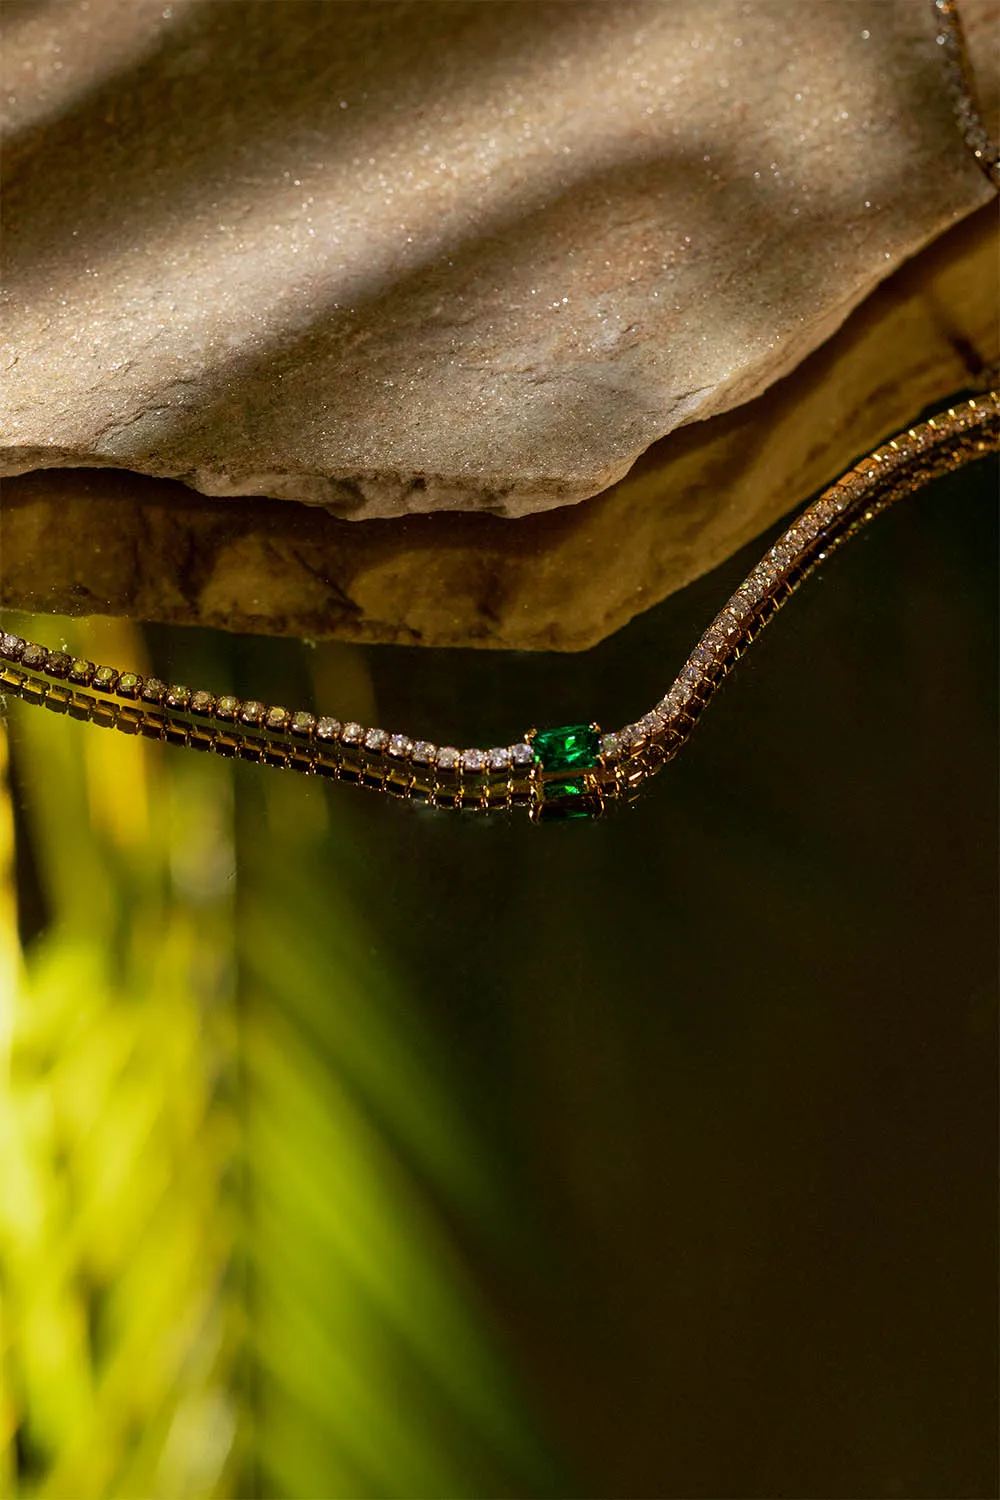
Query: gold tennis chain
x,y
571,771
575,770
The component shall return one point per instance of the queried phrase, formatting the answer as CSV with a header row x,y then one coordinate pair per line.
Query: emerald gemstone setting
x,y
573,747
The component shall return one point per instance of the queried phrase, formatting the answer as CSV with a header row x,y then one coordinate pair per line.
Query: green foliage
x,y
233,1164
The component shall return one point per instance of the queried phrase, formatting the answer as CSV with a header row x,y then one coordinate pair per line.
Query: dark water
x,y
698,1101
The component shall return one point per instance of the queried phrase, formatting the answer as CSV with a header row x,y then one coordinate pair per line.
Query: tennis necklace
x,y
958,79
575,770
567,772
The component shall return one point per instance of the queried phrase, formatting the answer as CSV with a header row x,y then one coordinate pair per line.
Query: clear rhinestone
x,y
252,712
351,734
375,740
651,724
201,703
521,754
34,656
499,758
400,746
447,758
11,646
473,760
424,752
81,671
303,724
610,748
631,738
59,664
277,718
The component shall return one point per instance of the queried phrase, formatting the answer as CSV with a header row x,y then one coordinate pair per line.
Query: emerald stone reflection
x,y
573,747
566,812
570,786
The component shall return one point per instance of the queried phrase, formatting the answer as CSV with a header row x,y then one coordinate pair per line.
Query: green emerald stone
x,y
571,748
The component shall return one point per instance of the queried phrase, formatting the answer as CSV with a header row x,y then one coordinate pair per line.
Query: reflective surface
x,y
359,1149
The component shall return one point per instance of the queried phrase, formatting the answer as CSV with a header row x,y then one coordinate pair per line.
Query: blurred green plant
x,y
230,1152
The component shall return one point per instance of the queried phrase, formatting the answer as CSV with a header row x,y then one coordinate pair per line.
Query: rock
x,y
391,258
100,541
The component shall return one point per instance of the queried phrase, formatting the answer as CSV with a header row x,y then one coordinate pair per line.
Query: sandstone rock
x,y
389,258
82,542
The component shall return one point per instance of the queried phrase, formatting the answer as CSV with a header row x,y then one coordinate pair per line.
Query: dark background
x,y
729,1053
